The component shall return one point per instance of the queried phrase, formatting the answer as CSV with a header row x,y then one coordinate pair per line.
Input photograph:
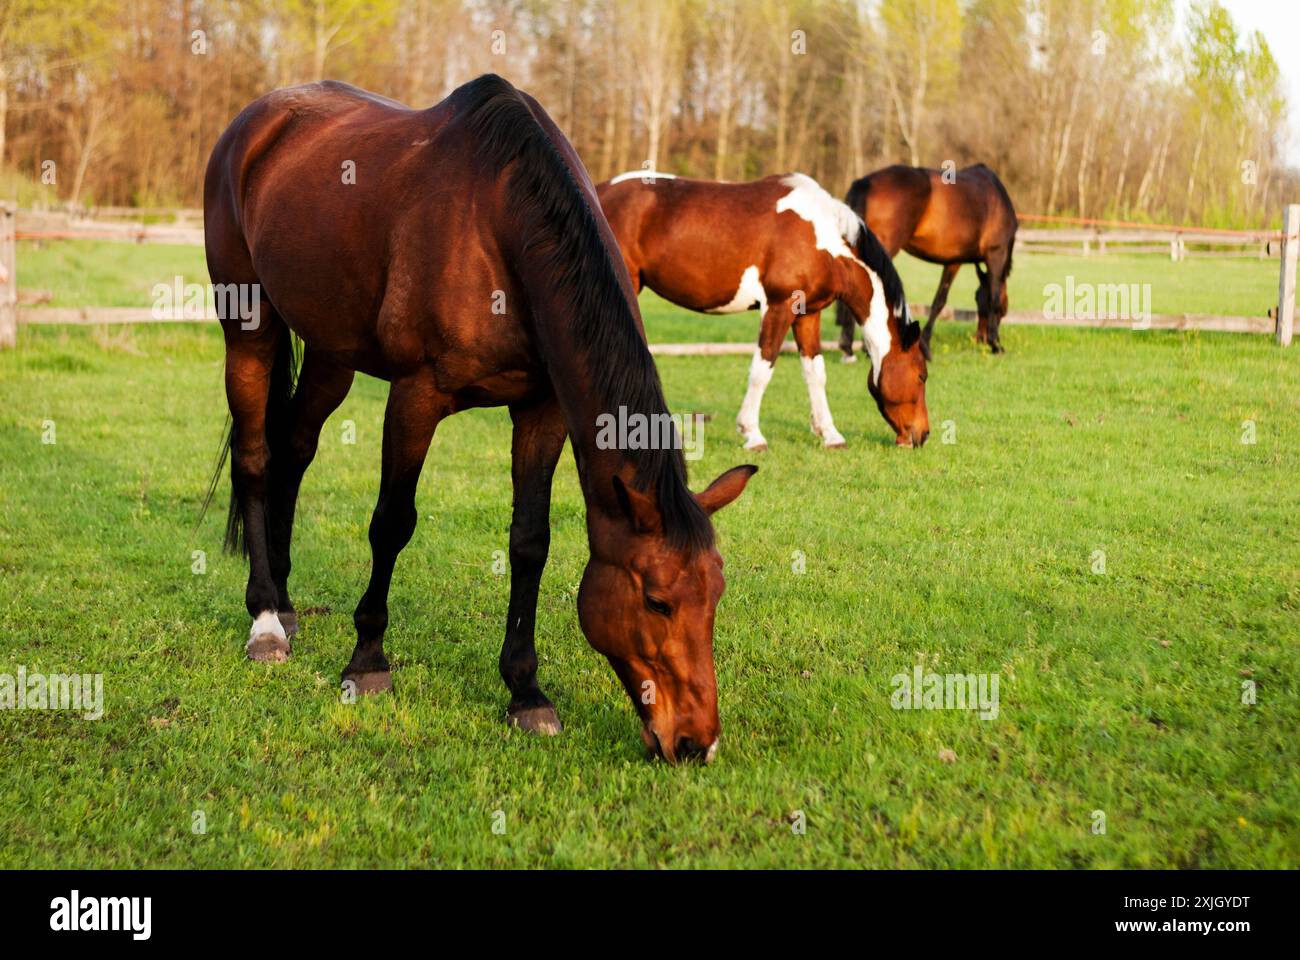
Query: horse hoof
x,y
835,446
543,720
288,620
268,648
849,358
372,681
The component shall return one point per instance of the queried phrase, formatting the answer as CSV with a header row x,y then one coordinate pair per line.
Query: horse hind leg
x,y
997,261
258,384
982,306
322,386
847,322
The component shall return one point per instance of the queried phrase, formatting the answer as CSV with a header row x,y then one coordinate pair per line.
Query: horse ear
x,y
641,510
726,488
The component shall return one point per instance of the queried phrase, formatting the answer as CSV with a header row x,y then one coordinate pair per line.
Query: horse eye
x,y
658,606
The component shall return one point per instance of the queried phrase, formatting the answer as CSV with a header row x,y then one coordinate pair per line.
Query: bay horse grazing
x,y
785,247
968,220
458,252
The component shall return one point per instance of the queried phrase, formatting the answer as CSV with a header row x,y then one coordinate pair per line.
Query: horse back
x,y
370,228
693,240
891,201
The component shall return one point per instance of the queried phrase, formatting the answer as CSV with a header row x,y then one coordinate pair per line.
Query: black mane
x,y
560,231
871,252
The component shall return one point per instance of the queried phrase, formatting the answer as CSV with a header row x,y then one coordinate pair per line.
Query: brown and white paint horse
x,y
784,246
968,219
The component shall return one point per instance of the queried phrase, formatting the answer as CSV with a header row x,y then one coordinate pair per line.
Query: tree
x,y
921,44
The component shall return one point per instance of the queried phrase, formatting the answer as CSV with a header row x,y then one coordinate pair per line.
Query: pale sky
x,y
1279,22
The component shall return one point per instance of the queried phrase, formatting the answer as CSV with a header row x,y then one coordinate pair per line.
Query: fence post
x,y
1286,285
8,276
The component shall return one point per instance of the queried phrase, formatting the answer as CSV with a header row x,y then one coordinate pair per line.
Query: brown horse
x,y
458,252
784,246
968,218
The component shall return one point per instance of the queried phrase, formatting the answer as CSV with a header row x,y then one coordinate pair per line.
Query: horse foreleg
x,y
997,261
539,434
808,337
940,297
322,386
776,323
414,408
982,307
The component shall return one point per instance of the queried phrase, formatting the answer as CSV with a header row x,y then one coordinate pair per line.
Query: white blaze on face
x,y
642,175
749,292
835,228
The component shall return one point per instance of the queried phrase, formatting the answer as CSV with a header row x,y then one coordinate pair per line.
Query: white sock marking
x,y
814,375
760,375
267,622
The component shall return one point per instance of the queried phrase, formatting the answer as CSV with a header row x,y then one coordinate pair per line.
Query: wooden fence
x,y
125,224
1098,241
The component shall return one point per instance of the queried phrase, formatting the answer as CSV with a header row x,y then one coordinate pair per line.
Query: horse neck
x,y
569,365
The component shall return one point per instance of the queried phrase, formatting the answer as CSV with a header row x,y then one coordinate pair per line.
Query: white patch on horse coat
x,y
642,174
267,622
760,375
836,229
748,293
835,226
814,375
875,332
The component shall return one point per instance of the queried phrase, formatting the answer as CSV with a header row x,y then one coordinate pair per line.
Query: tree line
x,y
1095,108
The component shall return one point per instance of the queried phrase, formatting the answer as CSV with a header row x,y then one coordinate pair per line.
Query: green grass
x,y
101,273
1120,692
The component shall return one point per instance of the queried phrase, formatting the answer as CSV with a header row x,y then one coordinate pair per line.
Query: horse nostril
x,y
689,749
924,436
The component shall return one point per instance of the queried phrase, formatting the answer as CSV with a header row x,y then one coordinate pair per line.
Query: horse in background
x,y
785,247
476,201
970,220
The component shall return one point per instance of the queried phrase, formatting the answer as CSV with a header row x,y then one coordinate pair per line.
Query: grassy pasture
x,y
1120,692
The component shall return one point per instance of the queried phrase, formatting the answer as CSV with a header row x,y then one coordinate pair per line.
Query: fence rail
x,y
1098,241
55,225
125,224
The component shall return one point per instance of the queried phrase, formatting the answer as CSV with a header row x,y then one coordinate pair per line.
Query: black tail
x,y
855,200
284,376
